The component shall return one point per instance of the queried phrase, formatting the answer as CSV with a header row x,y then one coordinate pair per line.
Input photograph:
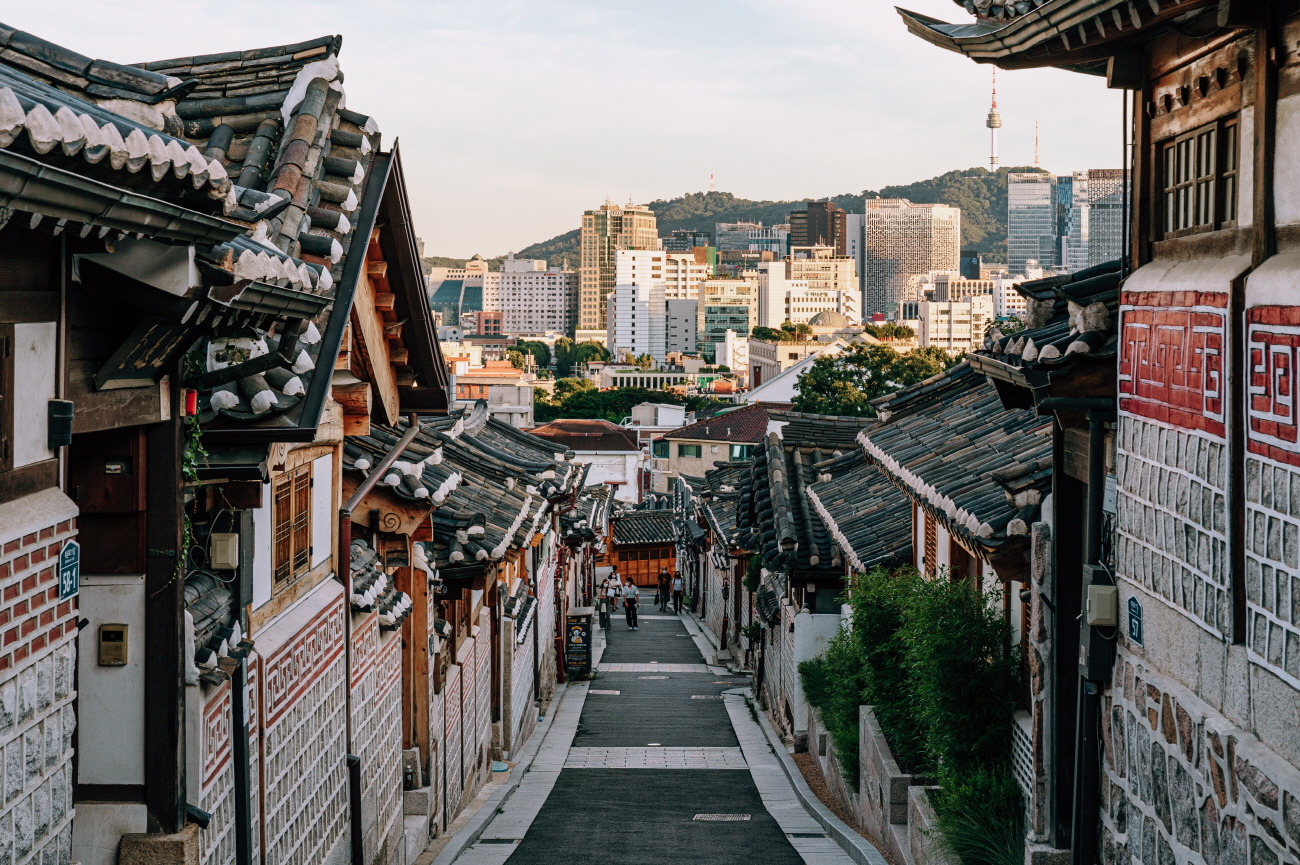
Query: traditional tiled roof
x,y
372,591
643,527
589,520
866,514
745,425
218,642
949,443
249,157
490,485
1071,318
824,432
583,434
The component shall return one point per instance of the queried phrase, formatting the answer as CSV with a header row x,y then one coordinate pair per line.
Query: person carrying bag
x,y
631,600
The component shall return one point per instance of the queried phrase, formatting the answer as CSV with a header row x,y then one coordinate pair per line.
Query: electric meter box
x,y
225,551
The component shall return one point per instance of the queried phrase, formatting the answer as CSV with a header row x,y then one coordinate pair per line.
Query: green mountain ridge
x,y
981,195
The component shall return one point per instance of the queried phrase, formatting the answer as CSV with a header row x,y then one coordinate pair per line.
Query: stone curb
x,y
857,847
474,828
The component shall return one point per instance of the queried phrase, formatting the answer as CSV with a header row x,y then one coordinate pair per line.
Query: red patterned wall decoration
x,y
216,742
300,661
1273,352
1172,358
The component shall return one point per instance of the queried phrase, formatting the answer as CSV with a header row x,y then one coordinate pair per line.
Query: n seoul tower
x,y
994,123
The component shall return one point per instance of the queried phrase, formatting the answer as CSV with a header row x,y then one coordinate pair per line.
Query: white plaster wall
x,y
111,699
35,344
1286,165
323,512
262,551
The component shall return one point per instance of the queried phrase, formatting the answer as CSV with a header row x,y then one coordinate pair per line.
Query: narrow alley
x,y
658,759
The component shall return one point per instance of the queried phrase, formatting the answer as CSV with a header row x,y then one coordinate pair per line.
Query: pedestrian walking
x,y
662,596
631,600
613,588
678,586
602,604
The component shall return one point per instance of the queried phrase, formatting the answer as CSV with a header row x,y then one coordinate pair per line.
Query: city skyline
x,y
442,75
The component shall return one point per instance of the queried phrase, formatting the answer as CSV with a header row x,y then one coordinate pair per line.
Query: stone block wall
x,y
1182,784
217,781
377,733
1171,523
37,663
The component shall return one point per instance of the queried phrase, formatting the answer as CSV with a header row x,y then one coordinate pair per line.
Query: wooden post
x,y
415,662
164,715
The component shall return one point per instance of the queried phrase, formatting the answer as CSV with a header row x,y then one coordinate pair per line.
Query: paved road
x,y
625,777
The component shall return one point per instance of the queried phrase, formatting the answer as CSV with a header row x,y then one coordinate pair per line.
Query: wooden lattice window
x,y
292,526
1199,179
931,544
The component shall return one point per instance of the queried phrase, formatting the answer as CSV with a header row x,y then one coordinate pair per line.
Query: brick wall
x,y
37,663
217,784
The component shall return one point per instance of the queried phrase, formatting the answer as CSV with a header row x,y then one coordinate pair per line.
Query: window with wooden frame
x,y
1199,179
291,496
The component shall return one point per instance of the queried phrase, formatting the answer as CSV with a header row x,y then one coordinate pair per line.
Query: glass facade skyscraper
x,y
1031,221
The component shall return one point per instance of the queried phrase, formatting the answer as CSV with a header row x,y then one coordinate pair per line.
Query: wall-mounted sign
x,y
69,570
1134,620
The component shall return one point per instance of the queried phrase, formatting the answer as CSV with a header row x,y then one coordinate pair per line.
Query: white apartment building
x,y
782,299
531,297
683,273
957,326
637,314
682,319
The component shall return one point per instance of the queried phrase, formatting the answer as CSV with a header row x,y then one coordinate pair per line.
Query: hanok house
x,y
707,549
800,565
615,456
1063,365
585,532
643,545
1199,754
194,314
465,511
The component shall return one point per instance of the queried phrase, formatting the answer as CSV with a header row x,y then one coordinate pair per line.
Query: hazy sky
x,y
515,115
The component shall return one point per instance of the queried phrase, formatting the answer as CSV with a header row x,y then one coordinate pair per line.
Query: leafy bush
x,y
980,816
880,601
960,676
833,683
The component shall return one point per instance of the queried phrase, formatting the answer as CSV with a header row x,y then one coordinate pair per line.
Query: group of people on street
x,y
615,590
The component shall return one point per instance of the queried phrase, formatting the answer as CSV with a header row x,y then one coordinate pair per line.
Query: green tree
x,y
1008,325
567,387
845,383
539,350
614,404
770,334
644,361
516,358
889,330
568,355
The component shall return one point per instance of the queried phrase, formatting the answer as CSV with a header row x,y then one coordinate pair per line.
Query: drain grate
x,y
705,697
498,840
652,677
720,818
599,691
806,834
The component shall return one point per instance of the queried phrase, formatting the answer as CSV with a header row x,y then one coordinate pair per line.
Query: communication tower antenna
x,y
994,123
712,187
1037,164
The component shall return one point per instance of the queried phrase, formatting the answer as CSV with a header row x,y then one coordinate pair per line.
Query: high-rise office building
x,y
603,233
822,224
1106,191
726,304
683,272
1032,221
900,240
784,297
753,237
686,239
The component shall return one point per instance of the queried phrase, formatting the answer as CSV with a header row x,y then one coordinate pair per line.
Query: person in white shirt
x,y
614,589
631,600
678,587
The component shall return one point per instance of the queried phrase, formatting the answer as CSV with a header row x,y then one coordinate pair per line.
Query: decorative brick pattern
x,y
1171,505
37,664
453,779
1273,361
217,792
302,703
1172,366
1181,784
377,724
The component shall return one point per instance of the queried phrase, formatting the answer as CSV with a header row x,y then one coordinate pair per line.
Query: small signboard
x,y
69,570
1134,620
577,641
